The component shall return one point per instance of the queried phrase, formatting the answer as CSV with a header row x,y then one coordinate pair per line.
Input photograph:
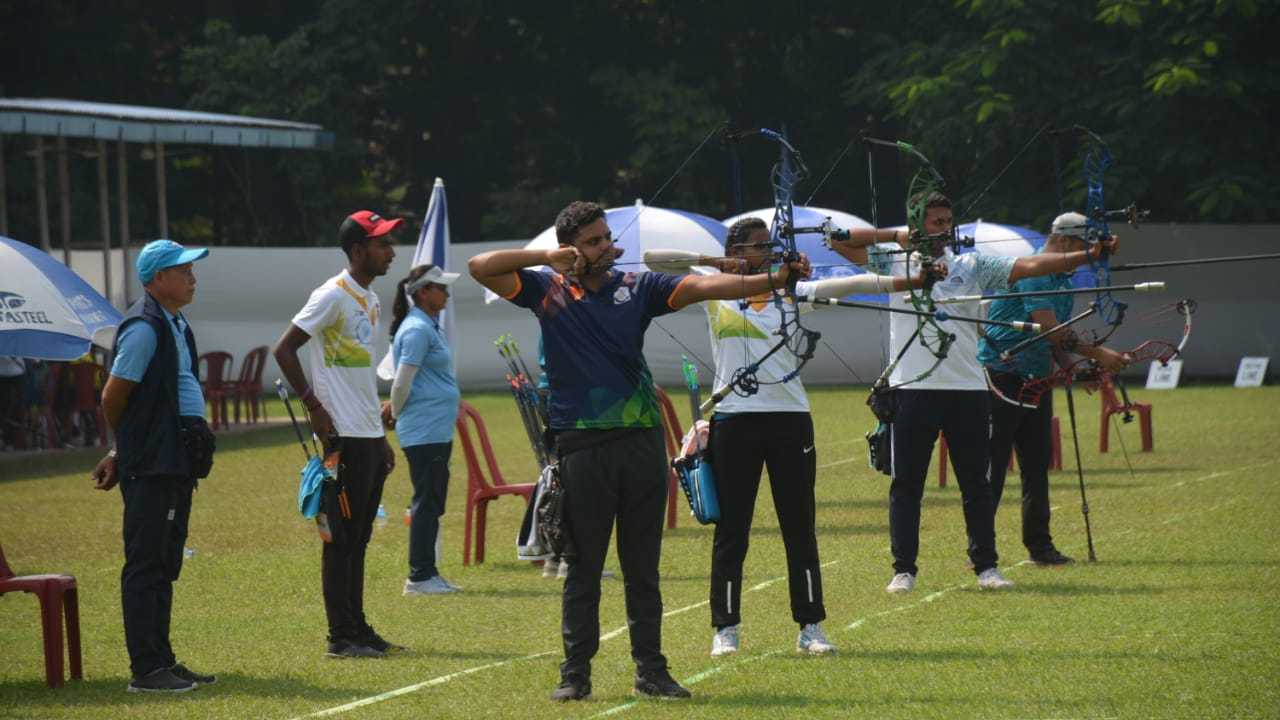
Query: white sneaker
x,y
451,586
725,641
991,579
813,641
550,567
431,586
901,583
563,572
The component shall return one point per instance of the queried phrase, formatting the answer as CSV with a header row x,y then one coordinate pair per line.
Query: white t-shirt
x,y
742,331
342,318
968,274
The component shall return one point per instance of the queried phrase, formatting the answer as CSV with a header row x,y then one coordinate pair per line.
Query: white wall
x,y
246,297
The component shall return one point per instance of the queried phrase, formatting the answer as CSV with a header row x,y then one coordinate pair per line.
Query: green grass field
x,y
1179,617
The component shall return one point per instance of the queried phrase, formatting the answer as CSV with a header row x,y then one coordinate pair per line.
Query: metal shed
x,y
108,122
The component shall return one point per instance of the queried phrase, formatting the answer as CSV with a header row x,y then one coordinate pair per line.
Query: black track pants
x,y
625,479
1028,431
742,445
964,418
342,563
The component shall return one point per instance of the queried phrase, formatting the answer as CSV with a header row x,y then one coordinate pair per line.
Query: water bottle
x,y
380,520
408,516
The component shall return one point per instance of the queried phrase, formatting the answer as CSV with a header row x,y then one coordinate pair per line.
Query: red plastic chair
x,y
213,366
87,381
1111,405
57,595
675,436
1055,452
249,387
480,491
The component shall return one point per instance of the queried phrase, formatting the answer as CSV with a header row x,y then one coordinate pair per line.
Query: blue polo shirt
x,y
594,345
138,345
1037,360
429,413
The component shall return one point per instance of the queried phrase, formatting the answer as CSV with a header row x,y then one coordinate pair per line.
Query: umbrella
x,y
637,228
46,310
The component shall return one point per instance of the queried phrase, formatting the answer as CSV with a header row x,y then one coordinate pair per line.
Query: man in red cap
x,y
342,399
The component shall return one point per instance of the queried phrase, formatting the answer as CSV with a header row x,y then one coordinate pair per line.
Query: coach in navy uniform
x,y
154,405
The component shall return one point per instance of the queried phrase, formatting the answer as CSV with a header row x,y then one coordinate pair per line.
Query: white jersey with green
x,y
742,332
342,317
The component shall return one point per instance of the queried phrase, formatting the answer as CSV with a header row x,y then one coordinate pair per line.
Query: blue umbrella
x,y
46,310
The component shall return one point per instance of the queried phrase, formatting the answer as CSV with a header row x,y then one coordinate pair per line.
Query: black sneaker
x,y
660,684
160,681
345,649
187,674
372,639
573,687
1050,557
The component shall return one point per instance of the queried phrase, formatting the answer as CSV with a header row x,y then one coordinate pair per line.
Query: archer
x,y
1019,422
606,421
765,422
950,397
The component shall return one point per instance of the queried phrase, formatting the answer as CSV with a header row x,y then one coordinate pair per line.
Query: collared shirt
x,y
594,344
341,317
138,345
1037,360
967,274
432,407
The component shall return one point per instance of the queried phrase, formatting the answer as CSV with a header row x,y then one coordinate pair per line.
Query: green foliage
x,y
522,107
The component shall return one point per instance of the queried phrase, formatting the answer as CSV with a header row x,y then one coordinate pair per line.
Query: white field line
x,y
442,679
716,669
418,686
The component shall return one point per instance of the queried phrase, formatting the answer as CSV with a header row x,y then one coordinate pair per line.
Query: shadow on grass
x,y
855,529
551,590
932,496
40,465
1223,563
1068,589
108,693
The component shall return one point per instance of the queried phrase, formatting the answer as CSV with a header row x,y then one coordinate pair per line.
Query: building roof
x,y
141,124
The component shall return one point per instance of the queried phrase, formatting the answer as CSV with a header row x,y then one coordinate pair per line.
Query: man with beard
x,y
342,399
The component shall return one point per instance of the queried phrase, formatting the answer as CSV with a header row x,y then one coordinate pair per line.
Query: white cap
x,y
435,275
1070,223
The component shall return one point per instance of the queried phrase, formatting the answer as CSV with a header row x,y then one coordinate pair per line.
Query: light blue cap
x,y
160,254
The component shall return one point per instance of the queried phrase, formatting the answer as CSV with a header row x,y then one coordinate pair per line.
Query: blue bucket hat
x,y
160,254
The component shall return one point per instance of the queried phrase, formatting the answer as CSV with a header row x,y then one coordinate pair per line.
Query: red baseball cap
x,y
372,223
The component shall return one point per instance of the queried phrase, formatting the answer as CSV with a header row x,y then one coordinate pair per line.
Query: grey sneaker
x,y
659,684
448,584
190,675
901,583
435,585
991,579
344,649
725,641
572,688
813,641
160,681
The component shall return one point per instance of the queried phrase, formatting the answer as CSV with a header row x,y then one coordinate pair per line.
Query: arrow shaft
x,y
1200,261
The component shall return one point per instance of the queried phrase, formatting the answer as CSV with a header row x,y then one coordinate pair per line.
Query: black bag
x,y
880,441
200,444
553,524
